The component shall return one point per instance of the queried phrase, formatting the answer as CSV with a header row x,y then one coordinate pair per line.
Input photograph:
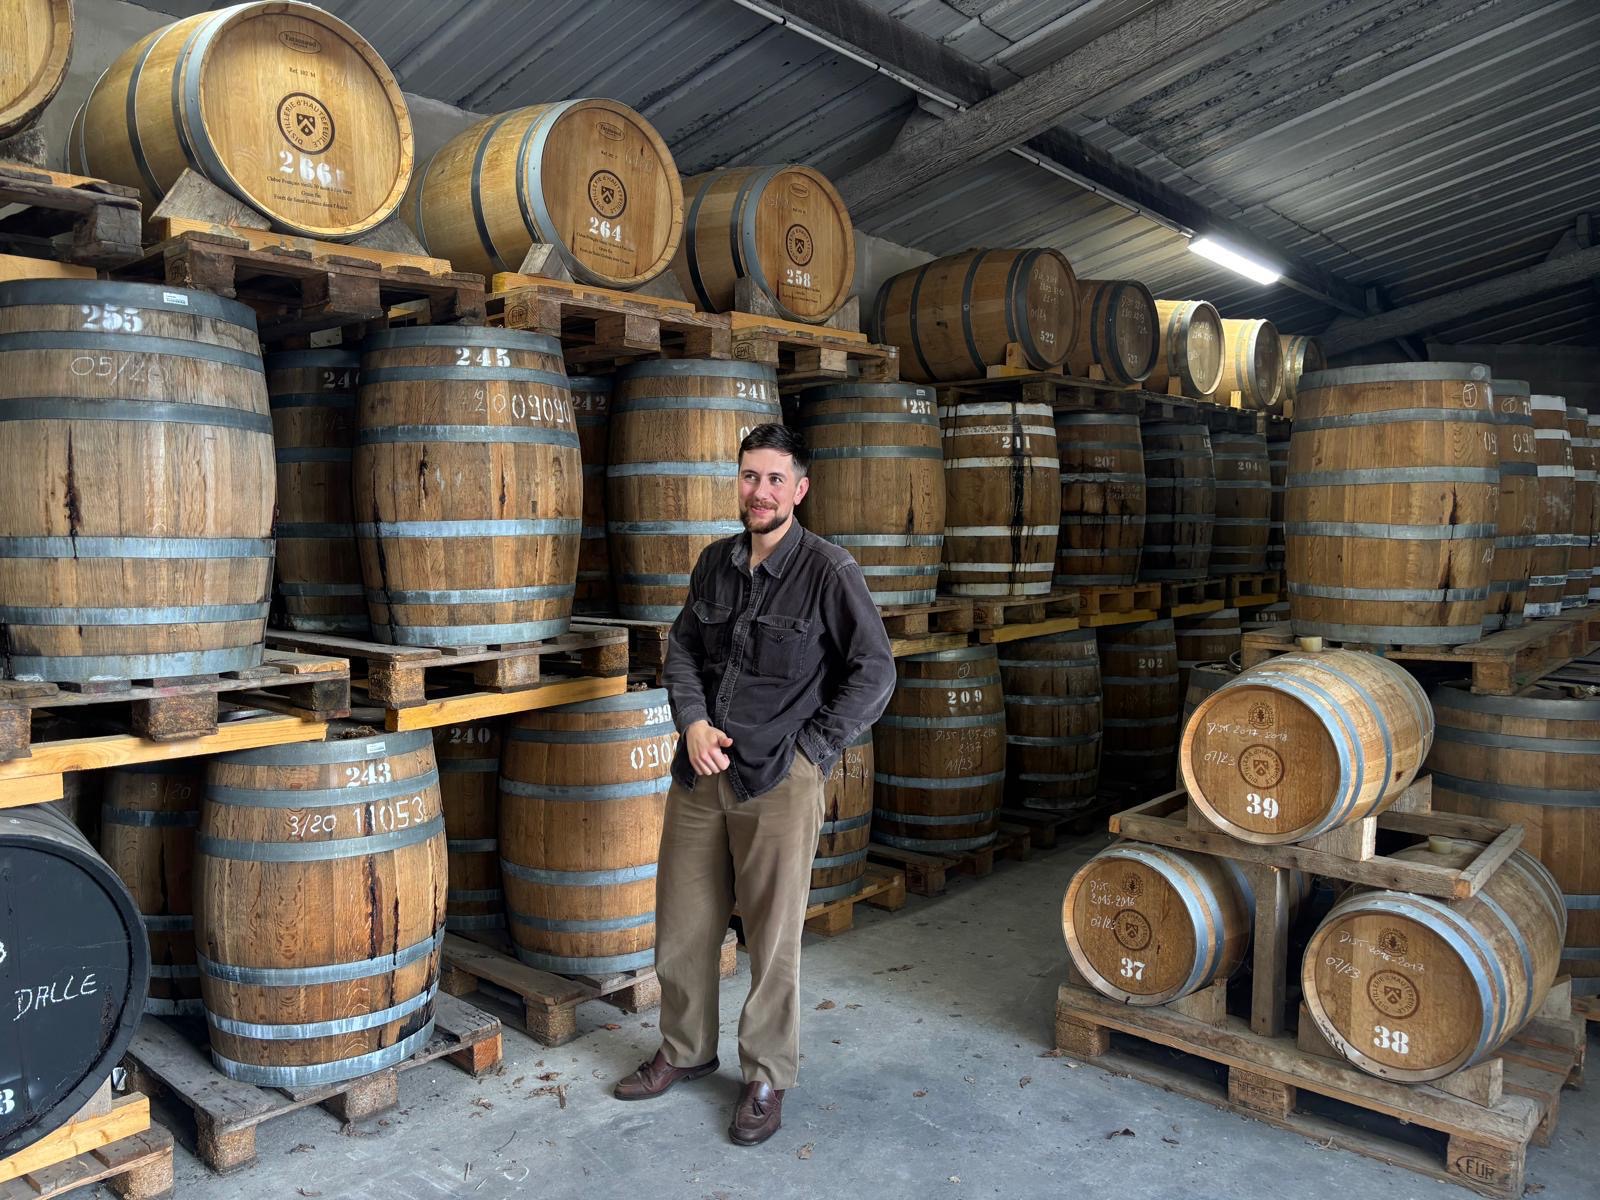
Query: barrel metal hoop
x,y
1515,933
408,634
150,818
968,682
1541,797
1517,706
1429,372
952,845
461,922
1410,635
333,797
134,547
587,966
348,750
836,861
820,420
974,722
851,453
1399,475
479,219
1205,910
714,470
576,925
167,922
845,824
194,614
89,667
513,595
554,878
318,1029
480,435
168,347
316,529
627,402
1057,701
1376,529
84,408
310,976
1451,416
1585,747
474,895
330,1072
626,702
839,891
320,851
590,737
548,527
689,368
959,654
583,793
472,846
941,784
716,529
1077,739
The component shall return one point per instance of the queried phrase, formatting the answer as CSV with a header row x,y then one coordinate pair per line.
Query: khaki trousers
x,y
716,851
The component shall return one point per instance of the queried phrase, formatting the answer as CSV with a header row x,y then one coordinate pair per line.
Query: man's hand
x,y
706,744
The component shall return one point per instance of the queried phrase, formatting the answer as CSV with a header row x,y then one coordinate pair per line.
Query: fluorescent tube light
x,y
1250,267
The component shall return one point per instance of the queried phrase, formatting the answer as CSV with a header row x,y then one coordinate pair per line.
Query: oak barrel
x,y
76,969
589,177
1278,472
1181,495
320,866
672,482
1594,515
1580,560
591,406
1002,498
955,317
318,571
1189,350
136,505
877,483
468,755
1532,760
1302,355
1267,616
1053,715
1103,498
281,104
1139,682
1243,526
1557,500
1412,988
1203,678
1394,488
38,36
468,485
1252,365
583,792
1119,331
784,228
1209,638
1517,518
939,750
147,828
1304,743
840,865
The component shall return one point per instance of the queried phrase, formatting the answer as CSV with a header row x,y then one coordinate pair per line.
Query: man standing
x,y
777,662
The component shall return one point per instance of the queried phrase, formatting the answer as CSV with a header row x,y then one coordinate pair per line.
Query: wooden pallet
x,y
68,218
1499,664
1185,597
135,1167
1056,389
1587,1007
14,267
1104,599
549,1002
1225,417
947,614
1251,591
600,328
310,686
927,872
168,1059
300,286
884,887
989,615
1044,825
809,354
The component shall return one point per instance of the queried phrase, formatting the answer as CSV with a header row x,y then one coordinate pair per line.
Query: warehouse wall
x,y
1570,371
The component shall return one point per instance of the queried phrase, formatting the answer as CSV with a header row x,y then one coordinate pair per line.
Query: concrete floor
x,y
924,1078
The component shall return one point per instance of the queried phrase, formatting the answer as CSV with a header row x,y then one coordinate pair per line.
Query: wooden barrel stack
x,y
1189,351
320,880
1211,638
783,228
955,317
1278,438
583,792
1002,498
588,177
1242,529
1580,560
1302,355
1180,483
110,567
1557,501
469,768
1517,518
1139,683
672,477
38,48
1394,482
839,868
1252,365
1119,331
470,485
939,769
281,104
1053,719
1103,498
591,408
1594,515
877,483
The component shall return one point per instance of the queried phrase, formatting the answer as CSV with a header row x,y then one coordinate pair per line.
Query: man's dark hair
x,y
778,437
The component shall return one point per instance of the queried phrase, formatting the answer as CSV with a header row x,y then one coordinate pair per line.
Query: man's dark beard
x,y
747,517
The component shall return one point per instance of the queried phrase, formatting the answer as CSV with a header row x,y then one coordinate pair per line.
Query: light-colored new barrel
x,y
1119,331
1302,355
839,868
1053,716
1252,365
38,36
469,769
1103,498
1557,499
1181,494
1189,349
591,406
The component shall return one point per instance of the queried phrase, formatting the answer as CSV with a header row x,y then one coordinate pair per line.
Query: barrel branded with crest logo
x,y
591,403
1189,350
1119,330
469,769
1252,365
1103,498
1394,491
1053,715
583,793
136,500
38,47
672,483
1181,498
1579,557
318,571
281,104
1517,520
840,865
468,486
1139,681
1557,498
590,177
877,483
320,880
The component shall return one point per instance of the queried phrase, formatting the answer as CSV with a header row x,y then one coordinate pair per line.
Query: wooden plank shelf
x,y
994,614
600,328
458,708
947,614
168,1059
69,218
100,1122
1104,599
804,355
928,872
1190,597
1251,591
137,1166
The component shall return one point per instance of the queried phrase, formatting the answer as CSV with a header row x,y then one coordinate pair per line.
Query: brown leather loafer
x,y
656,1076
759,1115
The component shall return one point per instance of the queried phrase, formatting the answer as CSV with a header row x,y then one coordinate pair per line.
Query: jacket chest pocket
x,y
715,627
780,645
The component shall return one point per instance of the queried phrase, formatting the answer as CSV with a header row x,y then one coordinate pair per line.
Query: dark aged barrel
x,y
583,792
953,318
939,769
1278,472
1267,615
1190,348
1517,519
672,486
1002,498
840,865
1302,355
468,755
1594,516
1118,330
468,485
1304,743
591,405
147,829
1244,504
1252,365
1139,680
1103,498
1579,559
75,968
136,501
318,570
38,48
320,881
1214,637
877,483
1394,485
1532,760
1053,713
589,177
1557,498
1412,988
1180,483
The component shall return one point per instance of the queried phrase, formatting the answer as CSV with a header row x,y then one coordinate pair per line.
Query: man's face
x,y
769,488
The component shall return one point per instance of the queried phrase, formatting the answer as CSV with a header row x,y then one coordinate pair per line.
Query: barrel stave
x,y
1189,350
591,406
1103,498
839,867
469,769
1243,526
1139,683
1181,498
1002,498
1053,720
